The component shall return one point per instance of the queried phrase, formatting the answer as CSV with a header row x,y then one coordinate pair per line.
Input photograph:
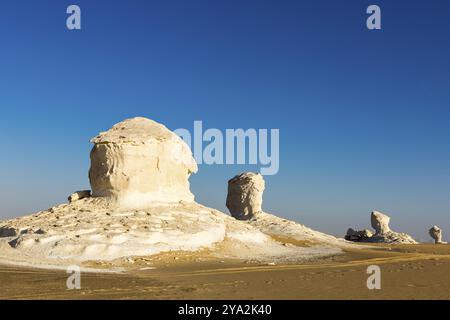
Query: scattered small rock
x,y
15,242
79,195
6,232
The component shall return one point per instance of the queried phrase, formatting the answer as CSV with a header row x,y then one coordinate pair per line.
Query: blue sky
x,y
363,115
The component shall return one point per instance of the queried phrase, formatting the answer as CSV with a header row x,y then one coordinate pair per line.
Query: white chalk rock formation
x,y
383,233
380,222
140,162
436,233
141,205
245,195
244,201
79,195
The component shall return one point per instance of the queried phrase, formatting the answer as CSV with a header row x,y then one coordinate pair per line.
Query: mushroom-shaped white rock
x,y
139,162
380,222
384,234
245,195
436,233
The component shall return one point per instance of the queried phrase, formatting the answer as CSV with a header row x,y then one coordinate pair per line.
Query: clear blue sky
x,y
364,115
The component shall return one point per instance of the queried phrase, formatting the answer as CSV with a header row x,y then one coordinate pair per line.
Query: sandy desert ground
x,y
408,272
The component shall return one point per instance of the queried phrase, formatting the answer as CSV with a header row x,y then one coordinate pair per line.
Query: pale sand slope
x,y
408,272
286,229
93,229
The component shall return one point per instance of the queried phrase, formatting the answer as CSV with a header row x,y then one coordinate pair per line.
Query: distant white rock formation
x,y
436,233
380,222
140,205
245,195
244,201
383,233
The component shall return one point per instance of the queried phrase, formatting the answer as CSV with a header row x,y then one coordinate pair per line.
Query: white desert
x,y
139,233
141,205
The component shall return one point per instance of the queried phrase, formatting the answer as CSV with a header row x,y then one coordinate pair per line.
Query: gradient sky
x,y
363,115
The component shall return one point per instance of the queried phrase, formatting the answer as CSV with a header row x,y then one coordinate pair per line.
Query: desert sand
x,y
408,272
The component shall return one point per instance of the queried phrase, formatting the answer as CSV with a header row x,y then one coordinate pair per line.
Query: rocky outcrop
x,y
355,235
245,195
380,222
436,233
79,195
140,162
7,231
244,201
383,233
